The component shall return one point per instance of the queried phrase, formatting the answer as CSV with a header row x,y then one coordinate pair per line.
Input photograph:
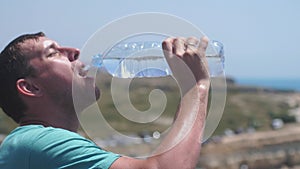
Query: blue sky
x,y
261,37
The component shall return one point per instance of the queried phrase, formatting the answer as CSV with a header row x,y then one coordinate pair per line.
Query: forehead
x,y
34,47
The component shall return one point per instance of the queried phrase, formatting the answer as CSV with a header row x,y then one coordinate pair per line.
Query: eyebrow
x,y
52,44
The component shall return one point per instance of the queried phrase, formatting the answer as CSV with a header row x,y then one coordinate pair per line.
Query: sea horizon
x,y
274,83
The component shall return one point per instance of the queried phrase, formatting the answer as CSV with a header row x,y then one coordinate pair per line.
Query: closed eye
x,y
53,54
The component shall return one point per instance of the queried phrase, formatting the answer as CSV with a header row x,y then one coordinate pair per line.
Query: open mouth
x,y
83,71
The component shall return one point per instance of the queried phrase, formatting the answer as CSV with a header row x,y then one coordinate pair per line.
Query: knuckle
x,y
179,53
189,52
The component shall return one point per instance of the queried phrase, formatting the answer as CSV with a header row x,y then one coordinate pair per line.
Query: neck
x,y
51,118
25,122
49,112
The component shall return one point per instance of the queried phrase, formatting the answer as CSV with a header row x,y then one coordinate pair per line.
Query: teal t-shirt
x,y
39,147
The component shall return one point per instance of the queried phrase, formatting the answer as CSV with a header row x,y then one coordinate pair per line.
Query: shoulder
x,y
32,134
58,148
65,148
39,138
20,143
34,137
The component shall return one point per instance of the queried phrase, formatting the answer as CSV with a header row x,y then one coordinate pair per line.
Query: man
x,y
36,91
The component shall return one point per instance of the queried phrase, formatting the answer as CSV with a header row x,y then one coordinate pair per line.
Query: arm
x,y
192,109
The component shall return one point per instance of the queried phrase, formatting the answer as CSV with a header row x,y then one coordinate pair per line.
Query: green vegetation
x,y
6,123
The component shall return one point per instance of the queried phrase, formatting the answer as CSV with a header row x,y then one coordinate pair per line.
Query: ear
x,y
28,88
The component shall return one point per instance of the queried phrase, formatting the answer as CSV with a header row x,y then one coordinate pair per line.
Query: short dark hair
x,y
14,65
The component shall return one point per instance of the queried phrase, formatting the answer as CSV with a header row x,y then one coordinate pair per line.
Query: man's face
x,y
56,67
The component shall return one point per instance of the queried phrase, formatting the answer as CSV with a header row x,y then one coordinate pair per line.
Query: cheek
x,y
59,76
58,71
56,78
56,84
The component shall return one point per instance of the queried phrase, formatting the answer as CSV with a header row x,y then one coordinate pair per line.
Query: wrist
x,y
203,85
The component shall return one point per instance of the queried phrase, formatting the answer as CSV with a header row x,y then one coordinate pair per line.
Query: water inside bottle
x,y
148,66
140,66
216,65
141,58
134,59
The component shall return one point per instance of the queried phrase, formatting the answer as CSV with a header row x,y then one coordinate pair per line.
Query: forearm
x,y
189,126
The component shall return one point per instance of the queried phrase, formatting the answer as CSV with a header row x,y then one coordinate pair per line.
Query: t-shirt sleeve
x,y
67,150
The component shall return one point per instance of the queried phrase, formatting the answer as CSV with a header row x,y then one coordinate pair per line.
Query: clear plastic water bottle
x,y
135,58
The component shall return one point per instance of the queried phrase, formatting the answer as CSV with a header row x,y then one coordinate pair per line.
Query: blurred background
x,y
259,128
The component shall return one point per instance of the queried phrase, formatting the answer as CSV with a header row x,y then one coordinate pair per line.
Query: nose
x,y
71,53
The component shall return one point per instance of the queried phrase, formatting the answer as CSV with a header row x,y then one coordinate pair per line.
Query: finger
x,y
179,47
191,44
192,41
167,46
203,45
202,50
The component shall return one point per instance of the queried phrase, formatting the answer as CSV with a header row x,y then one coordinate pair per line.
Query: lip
x,y
83,70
